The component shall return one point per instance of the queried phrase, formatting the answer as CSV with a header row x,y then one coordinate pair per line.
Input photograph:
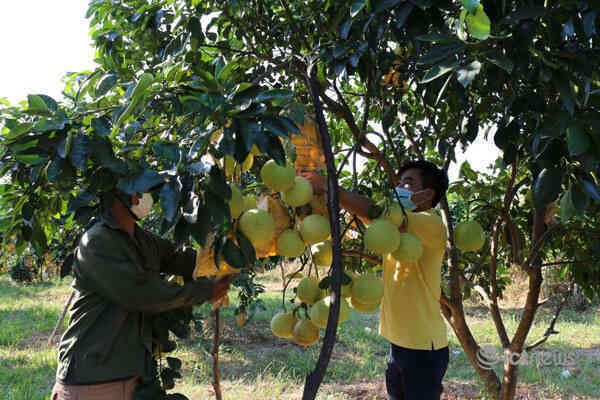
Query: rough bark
x,y
314,379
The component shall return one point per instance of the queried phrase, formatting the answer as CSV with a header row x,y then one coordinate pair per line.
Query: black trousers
x,y
415,374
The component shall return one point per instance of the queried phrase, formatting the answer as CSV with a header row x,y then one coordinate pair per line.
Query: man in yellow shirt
x,y
410,310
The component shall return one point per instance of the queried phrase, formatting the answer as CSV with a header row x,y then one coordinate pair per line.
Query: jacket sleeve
x,y
427,227
104,265
174,261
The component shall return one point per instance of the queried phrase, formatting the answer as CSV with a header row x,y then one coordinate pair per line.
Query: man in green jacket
x,y
107,346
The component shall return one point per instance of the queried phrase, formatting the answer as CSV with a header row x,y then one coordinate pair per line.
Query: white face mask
x,y
143,207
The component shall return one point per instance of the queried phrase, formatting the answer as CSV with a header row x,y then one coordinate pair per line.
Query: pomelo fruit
x,y
299,194
394,214
314,229
290,243
478,24
282,325
319,312
277,178
364,308
322,253
382,237
229,166
469,236
236,203
249,202
367,289
305,333
258,226
248,162
308,290
410,248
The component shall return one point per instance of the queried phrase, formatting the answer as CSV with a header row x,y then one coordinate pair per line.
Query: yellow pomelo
x,y
314,229
319,312
236,204
290,244
282,325
394,214
469,236
248,162
229,166
322,253
364,308
305,333
382,237
410,248
277,178
308,290
258,226
367,289
249,202
299,194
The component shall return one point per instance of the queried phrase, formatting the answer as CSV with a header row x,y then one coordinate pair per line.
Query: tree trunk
x,y
314,379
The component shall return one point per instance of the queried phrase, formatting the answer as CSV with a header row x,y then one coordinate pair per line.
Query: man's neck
x,y
123,217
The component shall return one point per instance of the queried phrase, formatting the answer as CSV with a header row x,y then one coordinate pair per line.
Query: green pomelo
x,y
469,236
299,194
258,226
236,204
394,214
282,325
322,254
364,308
308,290
319,312
314,229
290,244
410,248
277,178
249,202
305,333
382,237
367,289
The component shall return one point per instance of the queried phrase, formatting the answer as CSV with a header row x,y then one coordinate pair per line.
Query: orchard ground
x,y
256,365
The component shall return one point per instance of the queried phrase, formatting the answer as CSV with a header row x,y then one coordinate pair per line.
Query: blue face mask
x,y
404,195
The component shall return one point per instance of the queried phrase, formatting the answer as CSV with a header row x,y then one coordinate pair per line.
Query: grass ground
x,y
256,365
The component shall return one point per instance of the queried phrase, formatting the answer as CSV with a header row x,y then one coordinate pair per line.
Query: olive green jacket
x,y
118,286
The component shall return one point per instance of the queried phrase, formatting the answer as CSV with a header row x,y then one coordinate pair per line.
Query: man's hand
x,y
220,288
318,181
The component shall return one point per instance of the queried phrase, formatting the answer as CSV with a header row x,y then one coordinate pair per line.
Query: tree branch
x,y
494,309
550,331
508,196
358,254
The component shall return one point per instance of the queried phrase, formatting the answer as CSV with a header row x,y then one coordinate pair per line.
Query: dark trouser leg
x,y
416,374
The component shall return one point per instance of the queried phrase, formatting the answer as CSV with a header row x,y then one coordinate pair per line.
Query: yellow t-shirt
x,y
410,308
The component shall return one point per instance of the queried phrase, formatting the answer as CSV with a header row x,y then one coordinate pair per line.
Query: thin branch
x,y
569,262
412,142
550,331
356,253
516,243
216,379
494,309
479,289
538,246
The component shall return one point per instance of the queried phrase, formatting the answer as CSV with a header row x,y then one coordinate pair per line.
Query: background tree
x,y
385,79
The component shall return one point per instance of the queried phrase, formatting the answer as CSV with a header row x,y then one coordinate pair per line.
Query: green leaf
x,y
478,24
503,62
140,182
356,7
580,199
101,126
166,151
563,85
36,104
438,38
440,69
218,183
567,209
29,159
577,139
247,248
470,5
289,124
546,187
592,190
467,172
106,83
38,237
466,74
80,150
170,195
274,94
345,29
438,53
274,125
383,5
233,255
